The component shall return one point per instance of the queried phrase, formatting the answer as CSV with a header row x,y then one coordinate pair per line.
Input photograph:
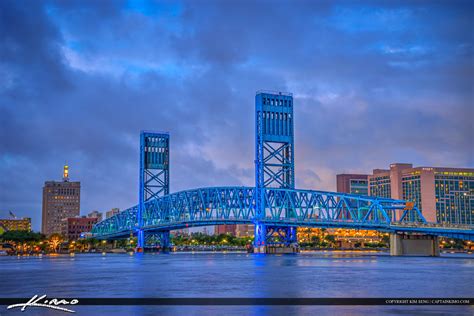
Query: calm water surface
x,y
319,274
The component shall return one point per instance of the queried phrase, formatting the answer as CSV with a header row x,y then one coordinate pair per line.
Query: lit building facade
x,y
72,228
352,183
61,199
15,224
238,230
244,230
342,238
443,195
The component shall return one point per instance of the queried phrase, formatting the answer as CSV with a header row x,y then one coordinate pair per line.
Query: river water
x,y
317,274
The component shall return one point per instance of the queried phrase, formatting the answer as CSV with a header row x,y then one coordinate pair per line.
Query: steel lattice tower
x,y
274,156
154,174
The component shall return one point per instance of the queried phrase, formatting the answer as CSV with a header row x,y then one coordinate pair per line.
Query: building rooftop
x,y
288,94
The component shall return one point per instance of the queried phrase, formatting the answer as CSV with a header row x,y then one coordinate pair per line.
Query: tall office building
x,y
61,199
444,195
352,183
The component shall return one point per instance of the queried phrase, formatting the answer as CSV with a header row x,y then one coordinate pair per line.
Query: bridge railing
x,y
434,225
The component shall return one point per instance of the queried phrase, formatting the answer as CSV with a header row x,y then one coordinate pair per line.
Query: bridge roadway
x,y
283,207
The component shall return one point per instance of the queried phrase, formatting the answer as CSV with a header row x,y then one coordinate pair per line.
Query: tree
x,y
330,239
23,240
315,240
55,241
21,236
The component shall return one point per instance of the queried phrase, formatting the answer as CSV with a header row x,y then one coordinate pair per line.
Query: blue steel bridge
x,y
274,205
285,208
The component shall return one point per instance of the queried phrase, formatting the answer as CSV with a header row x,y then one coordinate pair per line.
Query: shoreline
x,y
204,251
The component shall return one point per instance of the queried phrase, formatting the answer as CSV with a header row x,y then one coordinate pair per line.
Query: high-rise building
x,y
15,224
444,195
61,199
95,214
353,183
72,228
112,212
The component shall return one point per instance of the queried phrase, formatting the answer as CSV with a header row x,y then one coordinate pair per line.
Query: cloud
x,y
374,83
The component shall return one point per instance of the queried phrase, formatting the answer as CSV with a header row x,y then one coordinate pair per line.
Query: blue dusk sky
x,y
374,82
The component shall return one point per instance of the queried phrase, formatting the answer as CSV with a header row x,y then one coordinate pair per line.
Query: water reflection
x,y
318,274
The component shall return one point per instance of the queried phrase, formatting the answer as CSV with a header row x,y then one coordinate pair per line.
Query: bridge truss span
x,y
282,207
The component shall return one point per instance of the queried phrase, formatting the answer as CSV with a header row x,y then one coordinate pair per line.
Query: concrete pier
x,y
414,245
276,249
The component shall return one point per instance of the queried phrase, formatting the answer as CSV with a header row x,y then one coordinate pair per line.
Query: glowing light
x,y
66,172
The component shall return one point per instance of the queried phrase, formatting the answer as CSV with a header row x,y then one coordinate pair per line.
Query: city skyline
x,y
87,110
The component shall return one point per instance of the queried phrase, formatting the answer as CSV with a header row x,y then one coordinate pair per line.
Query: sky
x,y
374,82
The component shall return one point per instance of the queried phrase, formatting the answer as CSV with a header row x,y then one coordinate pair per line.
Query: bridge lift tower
x,y
274,164
154,182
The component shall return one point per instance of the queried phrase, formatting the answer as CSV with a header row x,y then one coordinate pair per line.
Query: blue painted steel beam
x,y
153,174
284,207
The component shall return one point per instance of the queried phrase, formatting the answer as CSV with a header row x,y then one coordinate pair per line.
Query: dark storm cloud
x,y
374,83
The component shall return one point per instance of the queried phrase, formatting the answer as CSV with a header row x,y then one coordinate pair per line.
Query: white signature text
x,y
41,301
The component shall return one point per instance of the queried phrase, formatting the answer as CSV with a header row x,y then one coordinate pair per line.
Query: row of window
x,y
155,140
88,227
447,174
66,197
149,149
65,191
359,187
276,102
381,187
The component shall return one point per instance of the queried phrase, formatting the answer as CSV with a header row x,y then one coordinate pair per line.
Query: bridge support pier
x,y
140,240
165,241
157,240
414,245
275,239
